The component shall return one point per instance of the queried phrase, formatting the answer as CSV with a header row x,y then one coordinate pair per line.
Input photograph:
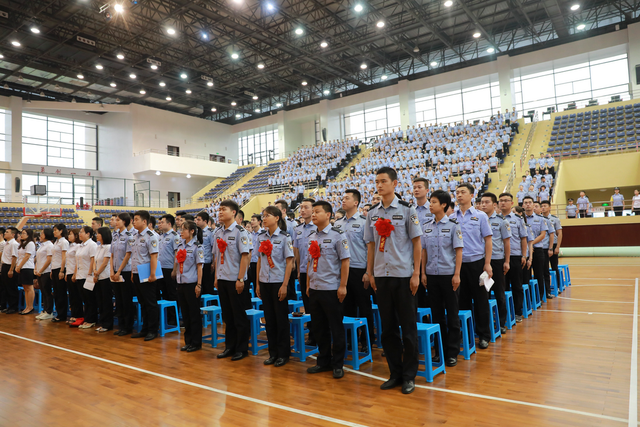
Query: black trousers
x,y
327,314
618,210
357,302
514,280
443,297
397,309
10,295
498,289
75,298
526,274
537,265
553,261
291,287
547,274
237,327
60,294
582,213
422,297
148,305
305,302
90,299
104,292
124,302
276,315
532,172
167,290
46,289
190,307
207,280
251,278
471,290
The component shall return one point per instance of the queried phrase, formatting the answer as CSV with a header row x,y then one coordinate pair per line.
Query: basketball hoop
x,y
42,207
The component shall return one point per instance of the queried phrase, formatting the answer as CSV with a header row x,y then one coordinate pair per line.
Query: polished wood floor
x,y
568,365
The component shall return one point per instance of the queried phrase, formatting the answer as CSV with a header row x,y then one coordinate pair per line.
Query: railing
x,y
527,144
511,178
576,154
170,153
283,188
597,211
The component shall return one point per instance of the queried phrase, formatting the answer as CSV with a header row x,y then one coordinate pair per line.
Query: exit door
x,y
174,199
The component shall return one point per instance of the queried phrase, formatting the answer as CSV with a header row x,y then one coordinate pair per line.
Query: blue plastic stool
x,y
495,320
299,348
535,294
564,271
164,305
526,302
256,302
137,324
254,319
559,280
299,295
377,323
554,283
351,326
37,300
294,305
424,312
511,310
468,335
427,332
208,300
212,312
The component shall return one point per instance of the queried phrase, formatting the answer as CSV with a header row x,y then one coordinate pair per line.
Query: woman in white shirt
x,y
58,264
75,292
104,289
85,259
24,267
43,273
635,202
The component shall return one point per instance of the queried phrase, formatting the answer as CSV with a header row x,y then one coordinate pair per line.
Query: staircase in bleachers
x,y
10,216
259,184
226,183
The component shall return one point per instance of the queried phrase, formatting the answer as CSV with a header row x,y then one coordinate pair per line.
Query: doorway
x,y
174,199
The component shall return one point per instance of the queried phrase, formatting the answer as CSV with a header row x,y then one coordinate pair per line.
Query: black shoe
x,y
123,332
549,296
503,330
451,361
117,333
139,335
193,348
270,361
239,355
519,318
435,359
384,355
56,320
27,312
310,343
281,362
483,344
317,369
185,348
408,387
4,310
226,353
150,336
391,383
11,311
338,373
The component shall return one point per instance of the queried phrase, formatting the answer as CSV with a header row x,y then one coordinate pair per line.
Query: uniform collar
x,y
445,219
494,215
326,229
275,233
231,227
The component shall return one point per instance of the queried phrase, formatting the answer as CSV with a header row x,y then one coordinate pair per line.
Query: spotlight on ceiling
x,y
183,76
363,66
35,30
132,76
299,31
416,49
270,7
214,109
257,110
168,98
434,64
326,91
235,56
1,56
118,8
99,66
238,116
278,105
120,56
112,84
491,50
304,83
16,43
205,36
154,67
380,24
80,76
142,91
261,66
209,84
575,7
188,175
162,84
234,103
41,93
323,44
188,91
384,77
448,3
581,27
255,97
171,31
358,7
476,34
158,173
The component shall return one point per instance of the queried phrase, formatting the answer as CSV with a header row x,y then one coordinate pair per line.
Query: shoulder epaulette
x,y
363,217
553,216
403,203
453,220
150,233
284,233
337,229
500,216
374,206
313,232
263,232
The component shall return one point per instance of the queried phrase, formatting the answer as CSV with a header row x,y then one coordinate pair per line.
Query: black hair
x,y
125,217
467,186
275,211
143,215
25,242
191,226
62,228
326,206
443,197
88,230
188,217
2,230
152,221
545,202
489,195
341,212
308,199
181,214
282,204
98,220
509,195
169,218
241,213
423,181
355,193
391,172
203,215
368,205
452,205
48,234
527,197
258,217
75,233
106,235
291,215
231,205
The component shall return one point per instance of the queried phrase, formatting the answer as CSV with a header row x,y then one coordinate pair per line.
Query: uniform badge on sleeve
x,y
201,254
244,240
508,227
415,220
290,245
154,243
177,241
345,244
459,233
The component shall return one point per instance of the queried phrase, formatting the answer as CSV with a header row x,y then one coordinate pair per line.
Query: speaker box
x,y
18,189
324,134
638,74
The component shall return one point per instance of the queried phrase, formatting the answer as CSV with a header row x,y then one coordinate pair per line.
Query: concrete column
x,y
407,104
633,55
281,134
16,149
504,78
324,111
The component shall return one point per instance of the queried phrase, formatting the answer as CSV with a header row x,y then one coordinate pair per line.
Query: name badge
x,y
473,218
493,224
326,241
397,217
446,230
141,240
231,238
428,230
277,242
190,251
355,225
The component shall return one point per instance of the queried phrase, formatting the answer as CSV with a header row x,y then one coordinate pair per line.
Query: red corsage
x,y
266,247
181,257
384,229
222,246
314,251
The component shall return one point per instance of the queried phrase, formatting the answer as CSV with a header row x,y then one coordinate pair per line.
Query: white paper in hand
x,y
89,284
486,281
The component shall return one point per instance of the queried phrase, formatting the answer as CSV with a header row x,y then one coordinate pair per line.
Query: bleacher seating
x,y
226,183
10,216
259,183
105,214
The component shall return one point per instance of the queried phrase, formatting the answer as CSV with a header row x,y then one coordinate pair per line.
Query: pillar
x,y
633,56
16,150
407,104
504,79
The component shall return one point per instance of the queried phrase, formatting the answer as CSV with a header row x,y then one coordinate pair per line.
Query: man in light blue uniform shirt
x,y
517,254
169,241
121,267
291,224
256,229
300,240
617,202
420,192
547,247
571,209
583,204
202,221
539,228
554,249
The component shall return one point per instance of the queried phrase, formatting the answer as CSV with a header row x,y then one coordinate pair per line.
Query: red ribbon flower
x,y
181,257
266,247
384,229
314,251
222,247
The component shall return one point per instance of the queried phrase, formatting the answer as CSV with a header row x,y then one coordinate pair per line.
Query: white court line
x,y
585,312
600,285
593,300
633,378
192,384
597,278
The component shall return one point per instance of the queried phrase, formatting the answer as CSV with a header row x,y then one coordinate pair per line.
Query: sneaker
x,y
46,316
39,316
86,326
519,318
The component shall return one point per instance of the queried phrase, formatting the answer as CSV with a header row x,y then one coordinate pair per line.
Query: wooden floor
x,y
568,365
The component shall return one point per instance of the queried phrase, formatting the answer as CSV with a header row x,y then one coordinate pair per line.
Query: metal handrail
x,y
527,144
511,178
601,211
166,153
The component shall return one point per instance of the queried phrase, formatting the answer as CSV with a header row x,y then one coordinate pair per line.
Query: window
x,y
5,137
216,158
173,150
68,188
258,146
373,121
50,141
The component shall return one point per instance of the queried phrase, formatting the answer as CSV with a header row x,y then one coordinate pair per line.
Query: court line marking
x,y
586,312
192,384
593,300
633,378
598,278
601,285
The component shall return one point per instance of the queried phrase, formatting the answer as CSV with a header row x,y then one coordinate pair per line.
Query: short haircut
x,y
106,235
98,220
114,214
468,186
203,215
188,217
536,202
229,204
489,195
368,205
443,197
545,202
282,204
355,193
181,214
152,221
571,200
291,215
391,172
143,215
326,206
169,218
341,212
424,181
309,200
527,197
125,217
48,234
509,195
257,216
241,213
2,230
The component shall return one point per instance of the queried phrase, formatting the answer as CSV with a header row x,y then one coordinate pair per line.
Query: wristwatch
x,y
240,280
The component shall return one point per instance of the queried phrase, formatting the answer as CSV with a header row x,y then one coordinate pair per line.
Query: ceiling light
x,y
57,87
142,91
575,7
117,100
358,8
326,91
416,49
363,66
188,175
168,98
120,56
261,65
99,66
132,76
270,6
434,64
35,30
324,44
163,84
73,101
154,67
234,56
80,76
476,34
188,91
233,103
6,86
257,110
448,3
209,84
205,36
20,78
183,76
255,97
1,56
581,27
118,8
16,43
299,31
238,116
384,77
304,83
158,173
171,31
380,24
112,84
237,1
278,105
491,50
214,109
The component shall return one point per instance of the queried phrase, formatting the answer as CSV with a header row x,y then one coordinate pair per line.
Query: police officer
x,y
256,229
533,163
169,241
121,273
291,224
300,239
145,251
188,275
571,209
517,253
208,243
231,264
547,246
583,204
539,229
327,288
554,250
393,270
476,257
442,258
420,191
357,302
617,202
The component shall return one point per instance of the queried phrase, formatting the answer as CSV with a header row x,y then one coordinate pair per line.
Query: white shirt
x,y
71,258
104,251
29,249
86,251
45,250
636,205
61,245
10,251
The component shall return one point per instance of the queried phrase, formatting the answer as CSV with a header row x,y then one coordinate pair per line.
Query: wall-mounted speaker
x,y
18,189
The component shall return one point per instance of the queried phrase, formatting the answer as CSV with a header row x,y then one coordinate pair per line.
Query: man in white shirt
x,y
9,296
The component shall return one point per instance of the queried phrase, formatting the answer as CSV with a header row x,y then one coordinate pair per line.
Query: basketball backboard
x,y
39,206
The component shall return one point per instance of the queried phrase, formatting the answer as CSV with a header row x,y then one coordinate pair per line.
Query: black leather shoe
x,y
519,318
451,361
4,310
549,296
435,359
139,335
150,336
383,355
239,355
483,344
317,369
193,348
117,332
24,313
11,311
391,383
503,330
226,353
408,387
270,361
123,332
185,348
281,362
338,373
